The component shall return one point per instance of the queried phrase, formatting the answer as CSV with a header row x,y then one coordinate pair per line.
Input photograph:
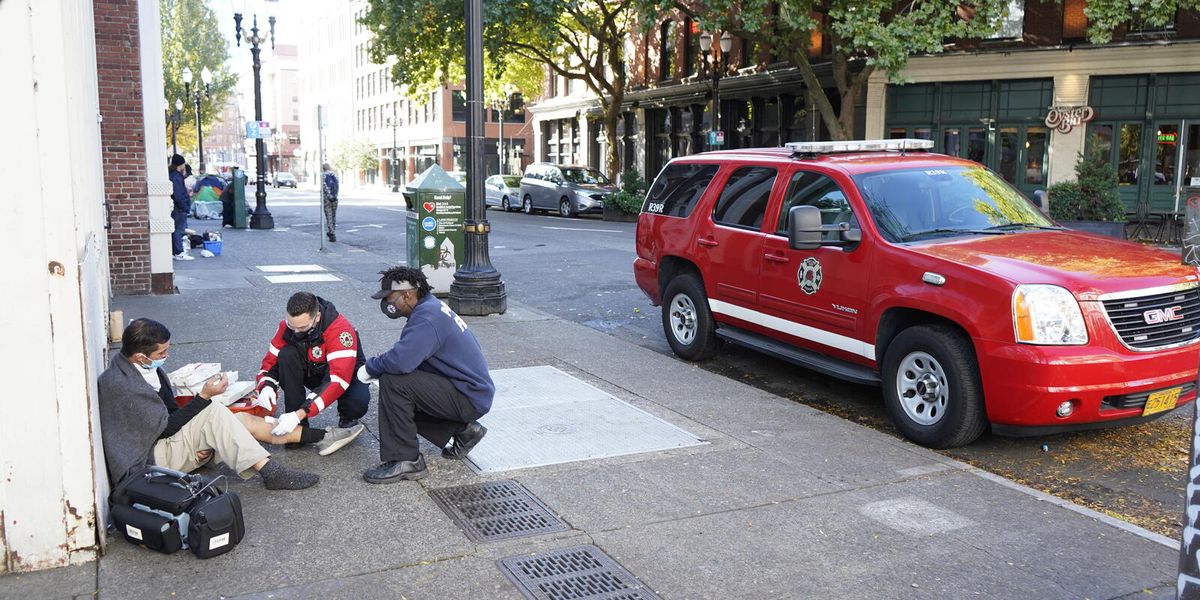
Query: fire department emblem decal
x,y
346,339
809,276
317,352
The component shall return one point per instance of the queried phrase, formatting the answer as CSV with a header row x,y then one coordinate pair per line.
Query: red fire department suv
x,y
929,275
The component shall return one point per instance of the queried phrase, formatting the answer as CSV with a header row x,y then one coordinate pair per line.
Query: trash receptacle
x,y
239,199
436,210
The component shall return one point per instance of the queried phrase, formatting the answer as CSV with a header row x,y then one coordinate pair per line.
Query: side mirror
x,y
804,228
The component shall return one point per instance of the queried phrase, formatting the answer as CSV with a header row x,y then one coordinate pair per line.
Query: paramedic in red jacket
x,y
313,359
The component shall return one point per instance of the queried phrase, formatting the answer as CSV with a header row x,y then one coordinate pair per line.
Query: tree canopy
x,y
1105,16
354,154
191,38
580,40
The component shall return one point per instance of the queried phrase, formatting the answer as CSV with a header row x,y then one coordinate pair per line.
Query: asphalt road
x,y
580,270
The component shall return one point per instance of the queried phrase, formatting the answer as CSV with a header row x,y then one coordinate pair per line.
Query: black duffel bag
x,y
166,510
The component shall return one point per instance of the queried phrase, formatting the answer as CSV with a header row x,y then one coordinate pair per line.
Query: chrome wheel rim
x,y
683,319
922,388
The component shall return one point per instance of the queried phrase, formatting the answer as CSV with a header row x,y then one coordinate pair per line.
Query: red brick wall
x,y
122,134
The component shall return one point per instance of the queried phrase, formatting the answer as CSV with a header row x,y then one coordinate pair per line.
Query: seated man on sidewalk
x,y
433,382
317,349
141,423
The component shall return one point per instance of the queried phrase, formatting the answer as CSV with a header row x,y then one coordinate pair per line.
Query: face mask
x,y
389,310
154,364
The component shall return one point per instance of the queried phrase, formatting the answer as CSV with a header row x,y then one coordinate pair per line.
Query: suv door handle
x,y
708,242
779,258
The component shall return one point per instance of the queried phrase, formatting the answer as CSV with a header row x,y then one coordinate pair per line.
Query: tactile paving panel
x,y
581,572
497,510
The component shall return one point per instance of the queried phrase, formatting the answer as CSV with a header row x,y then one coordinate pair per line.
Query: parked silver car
x,y
571,190
503,191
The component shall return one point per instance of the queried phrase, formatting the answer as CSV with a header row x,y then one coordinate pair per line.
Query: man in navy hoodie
x,y
180,205
433,381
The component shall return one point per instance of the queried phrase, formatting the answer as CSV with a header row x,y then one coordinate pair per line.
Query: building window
x,y
691,33
1012,24
666,50
1138,24
458,109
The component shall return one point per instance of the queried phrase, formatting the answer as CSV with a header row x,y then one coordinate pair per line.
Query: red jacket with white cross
x,y
338,352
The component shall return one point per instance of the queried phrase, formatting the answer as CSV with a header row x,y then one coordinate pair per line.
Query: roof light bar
x,y
901,144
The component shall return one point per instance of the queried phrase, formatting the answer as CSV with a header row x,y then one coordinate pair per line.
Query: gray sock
x,y
278,477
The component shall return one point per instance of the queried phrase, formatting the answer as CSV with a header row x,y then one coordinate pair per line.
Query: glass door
x,y
1166,182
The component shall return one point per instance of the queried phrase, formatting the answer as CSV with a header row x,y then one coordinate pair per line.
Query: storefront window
x,y
1102,136
923,133
950,141
1008,154
898,133
1130,153
1191,160
1035,156
1166,153
976,144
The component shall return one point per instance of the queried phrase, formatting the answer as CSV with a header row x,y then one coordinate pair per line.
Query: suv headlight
x,y
1047,314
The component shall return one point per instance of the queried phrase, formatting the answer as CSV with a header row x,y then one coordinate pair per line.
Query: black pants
x,y
419,403
295,383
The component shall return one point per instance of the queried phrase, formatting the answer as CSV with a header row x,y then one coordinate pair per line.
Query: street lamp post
x,y
176,119
393,123
477,289
261,219
199,94
718,70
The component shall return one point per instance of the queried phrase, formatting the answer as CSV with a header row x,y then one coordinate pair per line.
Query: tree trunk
x,y
612,160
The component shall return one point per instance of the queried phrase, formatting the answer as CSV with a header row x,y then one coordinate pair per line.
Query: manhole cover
x,y
496,510
571,573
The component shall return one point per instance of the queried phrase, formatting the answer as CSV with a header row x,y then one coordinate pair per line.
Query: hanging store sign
x,y
1065,118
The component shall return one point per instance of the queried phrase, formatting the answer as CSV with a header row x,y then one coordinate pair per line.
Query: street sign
x,y
258,129
716,138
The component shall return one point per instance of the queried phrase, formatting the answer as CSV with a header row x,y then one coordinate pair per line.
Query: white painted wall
x,y
154,108
51,235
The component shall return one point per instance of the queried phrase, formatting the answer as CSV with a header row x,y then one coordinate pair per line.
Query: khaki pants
x,y
216,429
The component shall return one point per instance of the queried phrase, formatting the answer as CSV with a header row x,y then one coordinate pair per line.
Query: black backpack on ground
x,y
166,510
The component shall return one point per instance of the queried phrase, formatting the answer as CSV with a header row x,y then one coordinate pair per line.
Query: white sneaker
x,y
336,437
184,256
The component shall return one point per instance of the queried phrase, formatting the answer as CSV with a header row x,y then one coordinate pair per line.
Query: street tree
x,y
580,40
190,38
354,154
864,36
1105,16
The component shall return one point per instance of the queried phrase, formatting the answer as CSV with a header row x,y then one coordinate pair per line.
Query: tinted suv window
x,y
814,189
678,188
744,199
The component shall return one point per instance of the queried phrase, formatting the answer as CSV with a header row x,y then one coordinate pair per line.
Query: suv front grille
x,y
1138,400
1155,321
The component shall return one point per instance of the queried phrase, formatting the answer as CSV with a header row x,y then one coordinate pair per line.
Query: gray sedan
x,y
503,191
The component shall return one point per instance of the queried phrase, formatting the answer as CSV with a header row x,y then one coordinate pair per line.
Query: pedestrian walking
x,y
433,382
180,205
329,199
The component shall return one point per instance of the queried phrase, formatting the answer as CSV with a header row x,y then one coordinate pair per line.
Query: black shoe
x,y
332,238
346,423
397,470
464,441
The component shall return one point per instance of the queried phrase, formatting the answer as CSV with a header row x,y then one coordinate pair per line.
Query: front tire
x,y
527,205
564,209
687,320
931,387
504,204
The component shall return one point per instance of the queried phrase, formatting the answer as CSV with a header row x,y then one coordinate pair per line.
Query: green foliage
x,y
633,190
582,40
191,38
354,154
1104,16
1093,195
864,35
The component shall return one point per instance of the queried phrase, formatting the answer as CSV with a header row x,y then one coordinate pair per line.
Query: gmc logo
x,y
1162,315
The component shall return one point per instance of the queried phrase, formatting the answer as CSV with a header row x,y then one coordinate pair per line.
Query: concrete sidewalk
x,y
782,501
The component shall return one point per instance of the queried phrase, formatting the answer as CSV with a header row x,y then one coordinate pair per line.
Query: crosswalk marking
x,y
302,278
290,268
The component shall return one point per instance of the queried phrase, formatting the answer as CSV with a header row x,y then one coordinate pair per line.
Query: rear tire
x,y
564,209
931,387
687,321
527,205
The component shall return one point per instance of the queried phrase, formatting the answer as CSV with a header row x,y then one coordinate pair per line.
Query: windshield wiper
x,y
927,232
1011,226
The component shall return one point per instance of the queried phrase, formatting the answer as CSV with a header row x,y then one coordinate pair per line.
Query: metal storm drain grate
x,y
573,573
497,510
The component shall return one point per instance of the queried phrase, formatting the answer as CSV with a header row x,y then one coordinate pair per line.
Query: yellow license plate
x,y
1160,401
